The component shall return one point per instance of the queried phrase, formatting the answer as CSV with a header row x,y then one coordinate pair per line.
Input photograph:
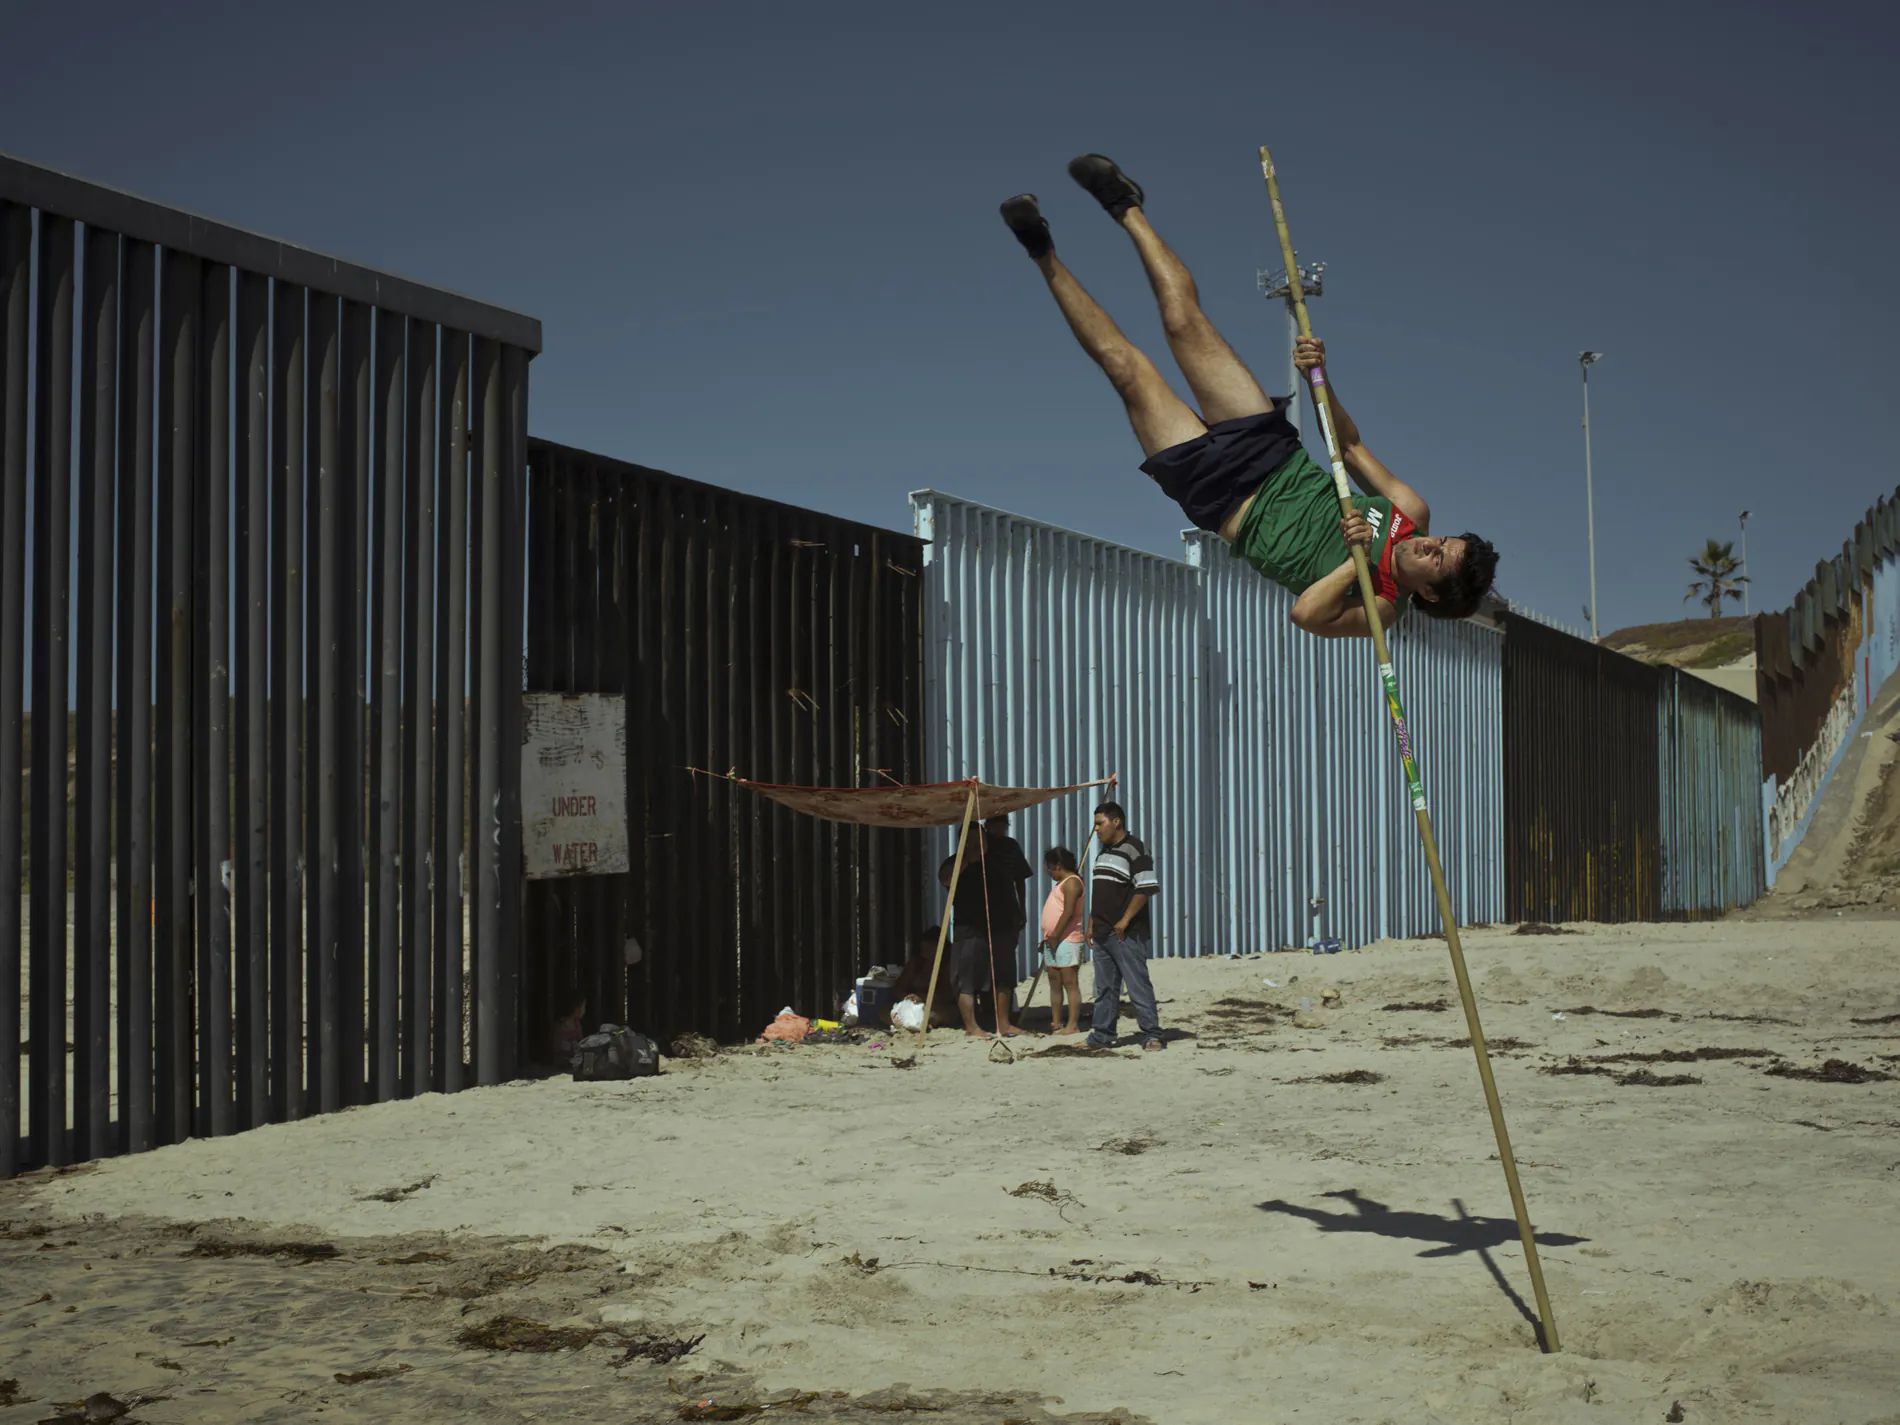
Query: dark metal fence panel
x,y
211,704
288,512
418,729
212,528
1582,824
747,635
352,692
16,304
136,919
251,671
487,690
92,792
451,612
324,771
1797,685
384,576
52,508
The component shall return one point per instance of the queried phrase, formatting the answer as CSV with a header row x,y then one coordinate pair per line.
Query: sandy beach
x,y
1294,1212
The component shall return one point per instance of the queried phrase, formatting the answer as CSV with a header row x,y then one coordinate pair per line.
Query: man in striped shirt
x,y
1120,925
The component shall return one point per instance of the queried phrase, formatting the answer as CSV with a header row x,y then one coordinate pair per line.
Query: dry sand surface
x,y
1222,1232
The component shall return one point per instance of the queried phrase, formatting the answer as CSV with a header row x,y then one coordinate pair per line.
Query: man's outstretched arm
x,y
1330,606
1364,467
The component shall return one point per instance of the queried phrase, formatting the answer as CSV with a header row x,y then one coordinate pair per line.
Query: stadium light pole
x,y
1585,360
1744,563
1276,286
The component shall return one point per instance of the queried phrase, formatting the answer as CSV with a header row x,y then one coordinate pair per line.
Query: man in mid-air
x,y
1236,467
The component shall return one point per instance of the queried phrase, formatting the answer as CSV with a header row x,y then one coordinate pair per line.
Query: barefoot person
x,y
1236,467
1062,939
979,910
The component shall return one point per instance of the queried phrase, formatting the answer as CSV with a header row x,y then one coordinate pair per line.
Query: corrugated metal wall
x,y
1308,796
290,519
1255,761
1709,764
1581,780
750,636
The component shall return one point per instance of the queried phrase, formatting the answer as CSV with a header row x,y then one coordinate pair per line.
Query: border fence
x,y
1567,781
1255,760
268,583
1818,665
270,524
1630,791
749,636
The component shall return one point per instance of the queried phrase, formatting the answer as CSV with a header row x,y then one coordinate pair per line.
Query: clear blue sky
x,y
764,244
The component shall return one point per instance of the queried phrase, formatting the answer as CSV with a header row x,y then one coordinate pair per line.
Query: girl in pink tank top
x,y
1062,939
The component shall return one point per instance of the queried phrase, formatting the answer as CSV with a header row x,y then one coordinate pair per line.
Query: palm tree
x,y
1717,580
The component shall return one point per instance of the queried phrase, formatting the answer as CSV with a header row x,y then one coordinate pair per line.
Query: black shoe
x,y
1106,183
1025,219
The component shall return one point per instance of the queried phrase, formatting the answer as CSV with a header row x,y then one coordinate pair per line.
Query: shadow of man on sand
x,y
1463,1233
1454,1235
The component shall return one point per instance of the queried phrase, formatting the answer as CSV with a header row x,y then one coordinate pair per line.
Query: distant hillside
x,y
1687,643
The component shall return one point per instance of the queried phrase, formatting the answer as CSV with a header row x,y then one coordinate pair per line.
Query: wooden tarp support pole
x,y
943,930
1323,402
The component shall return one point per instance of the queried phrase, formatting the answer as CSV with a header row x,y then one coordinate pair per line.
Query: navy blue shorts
x,y
1209,476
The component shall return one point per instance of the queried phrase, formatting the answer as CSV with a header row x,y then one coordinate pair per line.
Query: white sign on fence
x,y
573,784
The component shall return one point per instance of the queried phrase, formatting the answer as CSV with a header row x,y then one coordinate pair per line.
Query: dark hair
x,y
1061,857
1112,810
1460,592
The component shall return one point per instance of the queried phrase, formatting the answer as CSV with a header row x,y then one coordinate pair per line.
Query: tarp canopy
x,y
932,804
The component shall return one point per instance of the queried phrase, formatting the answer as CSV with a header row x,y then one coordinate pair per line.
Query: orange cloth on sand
x,y
788,1028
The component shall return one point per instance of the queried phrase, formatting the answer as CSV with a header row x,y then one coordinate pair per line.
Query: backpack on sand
x,y
616,1052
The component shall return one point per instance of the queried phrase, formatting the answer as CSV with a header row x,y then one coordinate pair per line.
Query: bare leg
x,y
1160,417
1219,379
1005,988
967,1004
1072,982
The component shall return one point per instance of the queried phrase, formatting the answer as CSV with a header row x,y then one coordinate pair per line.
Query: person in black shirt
x,y
986,923
1123,885
1009,873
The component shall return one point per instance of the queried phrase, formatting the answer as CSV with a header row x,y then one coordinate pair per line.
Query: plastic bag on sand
x,y
908,1014
788,1028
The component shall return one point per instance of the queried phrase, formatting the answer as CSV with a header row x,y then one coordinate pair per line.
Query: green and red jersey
x,y
1291,531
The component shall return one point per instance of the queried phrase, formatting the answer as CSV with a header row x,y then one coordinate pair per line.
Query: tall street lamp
x,y
1585,360
1277,286
1744,563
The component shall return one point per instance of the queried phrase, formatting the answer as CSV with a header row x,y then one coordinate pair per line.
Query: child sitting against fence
x,y
1062,939
914,982
569,1029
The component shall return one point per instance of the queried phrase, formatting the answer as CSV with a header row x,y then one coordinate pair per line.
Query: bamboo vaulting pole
x,y
1323,402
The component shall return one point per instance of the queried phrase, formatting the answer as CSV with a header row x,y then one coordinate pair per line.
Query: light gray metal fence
x,y
1256,761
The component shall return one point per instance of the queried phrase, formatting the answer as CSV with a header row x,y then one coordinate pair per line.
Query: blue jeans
x,y
1122,960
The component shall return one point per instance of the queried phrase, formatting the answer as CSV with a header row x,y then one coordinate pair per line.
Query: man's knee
x,y
1186,322
1127,371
